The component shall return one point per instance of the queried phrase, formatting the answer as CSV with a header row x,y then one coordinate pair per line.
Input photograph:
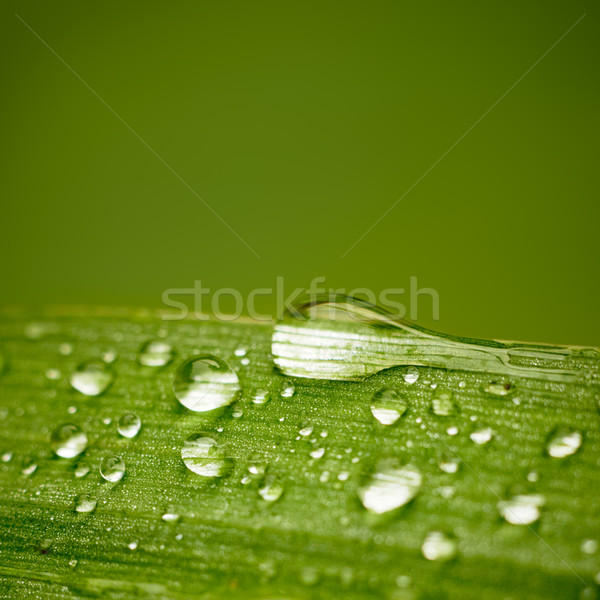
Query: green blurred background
x,y
300,124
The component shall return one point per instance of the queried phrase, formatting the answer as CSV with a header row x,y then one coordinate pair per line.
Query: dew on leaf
x,y
129,425
522,509
205,383
443,404
85,503
387,406
499,388
411,375
482,436
112,468
288,390
92,378
156,353
68,441
564,442
204,456
439,546
271,489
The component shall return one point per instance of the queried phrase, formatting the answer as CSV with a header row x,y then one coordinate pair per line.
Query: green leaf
x,y
320,498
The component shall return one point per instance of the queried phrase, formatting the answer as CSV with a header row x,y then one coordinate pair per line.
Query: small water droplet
x,y
132,545
318,453
7,456
65,349
170,517
85,503
390,487
499,388
68,441
109,356
411,375
92,378
241,351
387,406
245,361
306,431
451,464
271,490
589,546
72,410
260,396
452,430
112,468
443,404
205,383
439,546
533,476
29,467
202,455
482,436
564,442
82,469
53,374
343,476
129,425
521,509
156,353
288,390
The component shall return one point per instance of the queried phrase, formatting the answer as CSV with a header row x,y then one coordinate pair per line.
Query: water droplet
x,y
271,490
92,378
288,390
450,464
306,431
68,441
482,436
82,469
318,453
205,383
533,476
452,430
7,457
170,517
72,410
589,546
411,375
387,406
260,396
129,425
65,349
343,476
156,353
564,442
132,545
109,356
241,351
202,455
53,374
112,468
439,546
443,404
521,509
29,467
499,388
85,504
390,487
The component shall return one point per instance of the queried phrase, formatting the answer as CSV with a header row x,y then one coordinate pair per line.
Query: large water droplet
x,y
85,503
390,487
92,378
521,509
288,390
439,546
112,468
271,490
203,455
206,383
129,425
564,442
411,375
387,406
156,353
443,404
68,441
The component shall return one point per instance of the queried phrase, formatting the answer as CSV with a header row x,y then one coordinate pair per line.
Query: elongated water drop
x,y
564,442
156,353
92,378
439,546
112,468
68,441
387,406
482,436
85,503
390,487
450,464
521,509
204,456
499,388
129,425
205,383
